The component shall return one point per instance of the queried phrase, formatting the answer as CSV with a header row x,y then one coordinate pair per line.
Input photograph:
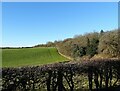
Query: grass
x,y
30,56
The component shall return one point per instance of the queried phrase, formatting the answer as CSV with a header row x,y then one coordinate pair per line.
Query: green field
x,y
30,56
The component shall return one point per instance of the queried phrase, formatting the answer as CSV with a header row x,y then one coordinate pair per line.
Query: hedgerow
x,y
90,74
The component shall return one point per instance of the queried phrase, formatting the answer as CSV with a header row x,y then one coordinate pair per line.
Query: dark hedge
x,y
89,74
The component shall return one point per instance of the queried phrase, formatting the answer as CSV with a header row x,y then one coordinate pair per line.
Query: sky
x,y
60,0
30,23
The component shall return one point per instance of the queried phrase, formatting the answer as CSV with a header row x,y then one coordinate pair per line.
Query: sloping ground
x,y
70,58
30,56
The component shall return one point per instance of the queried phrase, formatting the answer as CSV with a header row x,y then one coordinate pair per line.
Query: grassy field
x,y
30,56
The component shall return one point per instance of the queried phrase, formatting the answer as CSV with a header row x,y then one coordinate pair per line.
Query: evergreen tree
x,y
92,48
101,32
82,51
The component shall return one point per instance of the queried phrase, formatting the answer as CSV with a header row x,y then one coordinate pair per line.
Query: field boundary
x,y
63,54
64,76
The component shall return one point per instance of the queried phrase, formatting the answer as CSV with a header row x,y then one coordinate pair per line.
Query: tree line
x,y
96,44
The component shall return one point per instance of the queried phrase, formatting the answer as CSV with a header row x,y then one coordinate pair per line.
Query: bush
x,y
92,74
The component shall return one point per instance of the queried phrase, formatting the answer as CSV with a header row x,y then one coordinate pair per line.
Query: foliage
x,y
109,43
91,44
92,47
89,74
82,51
48,44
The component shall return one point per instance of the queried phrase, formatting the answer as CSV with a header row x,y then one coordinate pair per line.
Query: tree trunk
x,y
49,80
90,74
96,80
60,80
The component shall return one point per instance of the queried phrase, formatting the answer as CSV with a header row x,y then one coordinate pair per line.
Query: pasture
x,y
30,56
